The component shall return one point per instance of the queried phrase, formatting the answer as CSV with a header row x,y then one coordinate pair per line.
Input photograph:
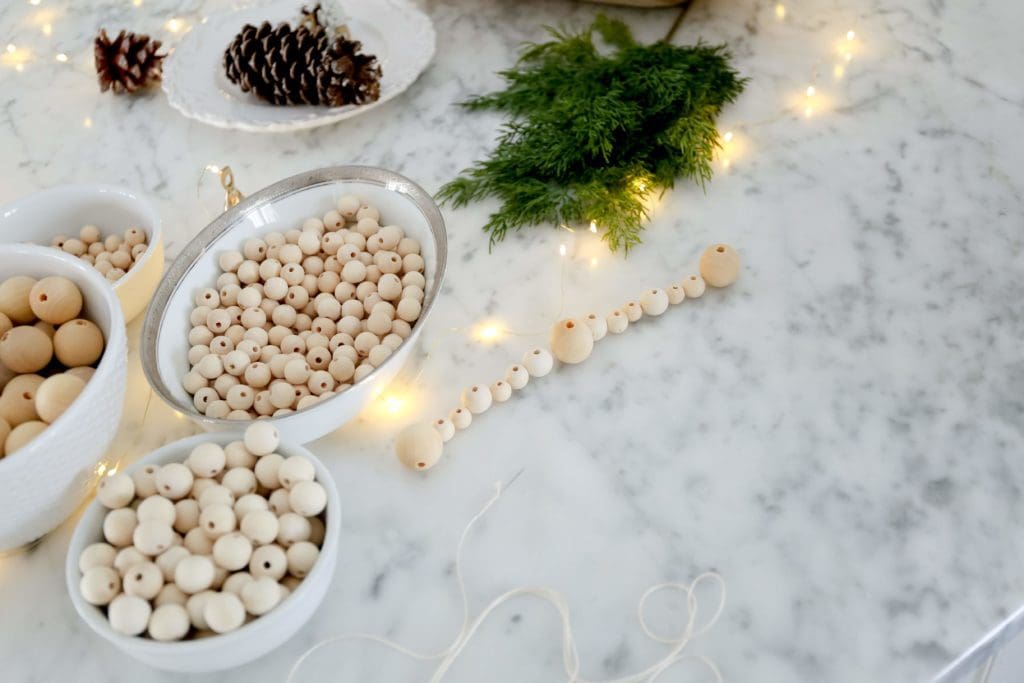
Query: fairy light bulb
x,y
175,25
11,48
62,58
593,227
850,35
728,136
810,91
47,29
561,249
780,11
393,404
87,123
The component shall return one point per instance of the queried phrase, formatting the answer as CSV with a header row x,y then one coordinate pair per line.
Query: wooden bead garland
x,y
419,445
241,554
333,300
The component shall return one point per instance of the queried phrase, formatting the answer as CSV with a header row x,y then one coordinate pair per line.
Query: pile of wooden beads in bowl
x,y
202,547
299,316
47,354
113,255
572,340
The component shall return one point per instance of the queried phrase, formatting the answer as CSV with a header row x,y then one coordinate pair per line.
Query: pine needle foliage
x,y
592,135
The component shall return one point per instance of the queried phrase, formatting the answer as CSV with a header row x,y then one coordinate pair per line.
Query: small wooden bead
x,y
477,399
208,297
308,498
168,560
249,502
538,362
720,265
224,612
260,526
292,528
517,377
676,294
99,585
55,300
127,558
21,435
170,594
268,560
96,555
116,490
501,391
78,342
266,470
617,322
598,326
15,299
134,237
169,622
240,481
56,394
186,515
571,341
654,301
301,557
118,527
261,438
208,492
155,509
129,614
633,311
694,286
200,334
143,580
378,354
419,445
278,502
461,418
260,595
206,460
348,206
230,260
445,428
194,574
236,583
408,309
232,551
144,479
152,537
25,349
174,480
197,542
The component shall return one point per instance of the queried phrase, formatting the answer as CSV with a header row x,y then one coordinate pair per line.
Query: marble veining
x,y
838,435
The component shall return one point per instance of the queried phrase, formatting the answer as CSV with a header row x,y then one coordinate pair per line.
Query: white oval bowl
x,y
252,640
64,209
283,206
48,478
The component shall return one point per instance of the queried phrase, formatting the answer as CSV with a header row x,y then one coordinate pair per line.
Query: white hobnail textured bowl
x,y
64,209
252,640
281,207
47,479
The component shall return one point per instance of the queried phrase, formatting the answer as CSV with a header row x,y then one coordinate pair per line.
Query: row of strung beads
x,y
419,445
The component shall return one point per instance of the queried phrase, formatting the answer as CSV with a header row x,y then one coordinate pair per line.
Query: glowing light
x,y
34,3
61,57
808,111
47,29
848,56
19,67
810,91
101,469
850,35
593,262
137,3
561,250
176,25
838,71
11,48
728,136
593,227
780,11
393,404
87,123
725,163
213,168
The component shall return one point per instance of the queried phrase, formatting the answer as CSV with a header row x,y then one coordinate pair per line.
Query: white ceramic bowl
x,y
47,479
284,206
253,640
64,209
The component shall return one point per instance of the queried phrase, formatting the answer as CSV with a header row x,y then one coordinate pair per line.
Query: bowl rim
x,y
155,233
172,452
177,274
117,338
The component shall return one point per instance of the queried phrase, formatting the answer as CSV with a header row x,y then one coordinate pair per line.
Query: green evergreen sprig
x,y
592,135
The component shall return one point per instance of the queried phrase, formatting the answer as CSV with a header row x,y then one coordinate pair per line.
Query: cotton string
x,y
570,656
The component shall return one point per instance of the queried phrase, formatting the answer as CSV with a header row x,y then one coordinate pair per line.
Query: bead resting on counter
x,y
720,265
572,341
419,446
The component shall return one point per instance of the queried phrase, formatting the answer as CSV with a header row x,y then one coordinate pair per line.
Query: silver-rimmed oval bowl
x,y
280,207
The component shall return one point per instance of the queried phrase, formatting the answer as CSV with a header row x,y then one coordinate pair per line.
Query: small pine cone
x,y
349,77
279,64
128,63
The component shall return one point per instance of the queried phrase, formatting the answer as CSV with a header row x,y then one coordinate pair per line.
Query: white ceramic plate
x,y
397,32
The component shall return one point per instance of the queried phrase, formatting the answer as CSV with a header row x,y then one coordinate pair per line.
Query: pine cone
x,y
303,65
128,63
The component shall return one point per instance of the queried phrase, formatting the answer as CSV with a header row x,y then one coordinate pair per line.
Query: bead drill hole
x,y
569,325
42,297
720,250
421,465
266,565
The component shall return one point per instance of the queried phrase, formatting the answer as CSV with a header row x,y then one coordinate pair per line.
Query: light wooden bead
x,y
232,551
236,583
170,594
419,445
248,503
194,574
461,418
78,342
413,292
571,341
308,498
134,237
301,557
25,349
118,527
720,265
538,362
408,309
261,438
501,391
633,311
477,399
598,326
127,558
99,585
260,526
348,206
654,301
517,377
173,480
152,537
210,367
694,286
676,294
333,220
240,481
353,272
56,394
169,622
55,300
15,297
96,555
21,435
18,400
617,322
168,560
116,490
445,428
200,335
260,595
293,528
224,612
144,479
129,614
268,560
155,509
143,580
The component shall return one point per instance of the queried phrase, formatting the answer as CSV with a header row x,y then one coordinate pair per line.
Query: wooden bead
x,y
260,595
720,265
156,509
676,294
15,293
173,480
169,622
224,612
78,342
517,377
617,322
232,551
5,324
116,490
21,435
261,438
538,362
99,585
571,341
118,527
96,555
501,391
129,614
308,498
461,418
268,560
18,400
194,574
301,557
445,428
260,526
56,394
144,580
292,528
654,301
633,311
419,445
694,286
55,300
477,398
25,349
598,326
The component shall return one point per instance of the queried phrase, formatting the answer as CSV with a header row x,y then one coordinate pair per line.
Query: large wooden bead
x,y
419,446
55,300
78,342
22,434
14,299
25,349
720,265
56,394
571,341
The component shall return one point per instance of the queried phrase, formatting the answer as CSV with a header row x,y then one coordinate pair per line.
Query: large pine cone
x,y
128,63
283,65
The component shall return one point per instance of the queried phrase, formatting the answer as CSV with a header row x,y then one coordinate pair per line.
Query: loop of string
x,y
570,655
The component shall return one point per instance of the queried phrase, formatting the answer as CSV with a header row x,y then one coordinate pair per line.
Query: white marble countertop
x,y
838,435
